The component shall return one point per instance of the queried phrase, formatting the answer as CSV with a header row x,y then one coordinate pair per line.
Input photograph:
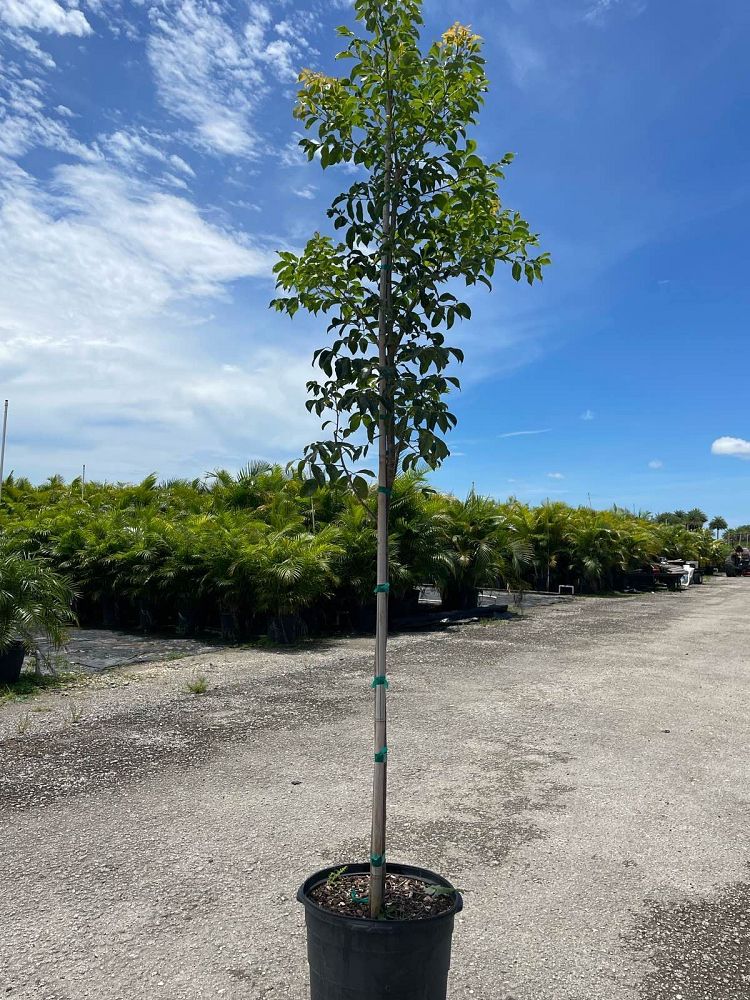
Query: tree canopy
x,y
423,217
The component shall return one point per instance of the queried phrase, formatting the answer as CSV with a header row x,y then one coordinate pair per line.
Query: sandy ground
x,y
581,773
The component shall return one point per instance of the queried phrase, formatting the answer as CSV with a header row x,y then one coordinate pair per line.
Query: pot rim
x,y
360,868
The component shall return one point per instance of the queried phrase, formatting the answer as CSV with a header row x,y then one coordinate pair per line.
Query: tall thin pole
x,y
2,446
379,782
83,480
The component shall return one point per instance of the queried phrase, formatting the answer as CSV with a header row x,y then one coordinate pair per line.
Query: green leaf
x,y
361,487
440,890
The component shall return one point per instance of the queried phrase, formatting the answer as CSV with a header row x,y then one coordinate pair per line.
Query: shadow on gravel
x,y
699,948
99,753
498,812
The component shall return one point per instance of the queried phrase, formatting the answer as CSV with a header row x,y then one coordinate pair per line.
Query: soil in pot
x,y
405,898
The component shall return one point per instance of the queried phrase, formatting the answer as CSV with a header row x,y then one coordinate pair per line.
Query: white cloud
x,y
179,164
655,463
512,434
131,146
129,251
281,56
307,192
162,233
213,74
138,149
105,348
526,61
291,154
26,124
204,75
555,475
260,12
737,447
299,27
598,10
44,15
29,45
587,415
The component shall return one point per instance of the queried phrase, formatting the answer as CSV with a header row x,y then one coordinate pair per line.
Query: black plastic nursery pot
x,y
11,662
352,958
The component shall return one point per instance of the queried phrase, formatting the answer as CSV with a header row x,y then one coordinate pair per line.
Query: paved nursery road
x,y
582,774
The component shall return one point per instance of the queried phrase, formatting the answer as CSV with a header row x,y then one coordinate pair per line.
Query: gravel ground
x,y
581,773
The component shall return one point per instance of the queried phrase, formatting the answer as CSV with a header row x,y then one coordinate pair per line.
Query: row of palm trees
x,y
251,551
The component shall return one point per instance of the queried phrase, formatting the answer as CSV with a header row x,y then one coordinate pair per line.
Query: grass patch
x,y
29,685
198,685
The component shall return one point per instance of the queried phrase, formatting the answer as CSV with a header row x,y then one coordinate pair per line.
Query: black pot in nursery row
x,y
11,662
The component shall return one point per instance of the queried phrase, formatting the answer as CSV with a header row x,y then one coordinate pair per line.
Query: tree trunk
x,y
379,785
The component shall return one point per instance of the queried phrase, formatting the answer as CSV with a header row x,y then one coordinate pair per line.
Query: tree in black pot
x,y
35,603
422,217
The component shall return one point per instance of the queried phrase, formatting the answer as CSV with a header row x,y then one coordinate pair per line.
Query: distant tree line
x,y
695,519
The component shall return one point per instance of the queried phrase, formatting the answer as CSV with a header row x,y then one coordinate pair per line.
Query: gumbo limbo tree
x,y
422,218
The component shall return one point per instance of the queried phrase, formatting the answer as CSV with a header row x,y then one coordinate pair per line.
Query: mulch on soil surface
x,y
405,898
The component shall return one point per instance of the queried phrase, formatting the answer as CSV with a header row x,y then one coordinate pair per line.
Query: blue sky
x,y
148,172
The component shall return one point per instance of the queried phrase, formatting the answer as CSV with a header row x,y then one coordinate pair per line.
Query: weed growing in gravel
x,y
75,712
198,685
29,685
24,723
